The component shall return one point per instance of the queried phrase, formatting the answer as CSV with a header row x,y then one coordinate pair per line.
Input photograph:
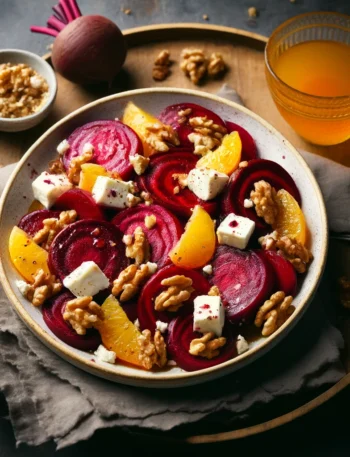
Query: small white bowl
x,y
45,70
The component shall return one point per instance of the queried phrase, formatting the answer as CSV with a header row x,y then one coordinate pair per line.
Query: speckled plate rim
x,y
145,379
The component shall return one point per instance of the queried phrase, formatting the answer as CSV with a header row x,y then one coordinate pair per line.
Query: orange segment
x,y
137,119
118,333
88,175
197,244
226,157
34,206
26,255
290,220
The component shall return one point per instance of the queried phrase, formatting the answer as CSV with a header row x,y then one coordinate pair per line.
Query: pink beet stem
x,y
59,13
43,30
66,9
75,8
55,23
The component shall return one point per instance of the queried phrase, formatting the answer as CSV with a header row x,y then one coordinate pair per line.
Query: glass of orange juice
x,y
308,72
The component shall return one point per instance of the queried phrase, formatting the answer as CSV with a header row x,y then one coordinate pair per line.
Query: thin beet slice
x,y
242,183
82,202
53,316
113,142
244,278
248,144
286,277
170,116
86,240
180,335
145,308
33,222
162,237
159,182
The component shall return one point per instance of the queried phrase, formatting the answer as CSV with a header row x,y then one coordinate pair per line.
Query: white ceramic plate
x,y
270,144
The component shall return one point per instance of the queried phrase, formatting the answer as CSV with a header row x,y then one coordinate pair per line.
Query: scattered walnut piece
x,y
140,163
206,135
150,221
137,246
344,284
158,135
76,163
56,167
252,12
205,17
291,249
82,313
216,65
207,346
52,226
152,352
274,312
161,65
179,290
194,64
146,197
129,281
183,115
43,287
243,164
126,11
22,90
132,200
264,198
214,291
181,178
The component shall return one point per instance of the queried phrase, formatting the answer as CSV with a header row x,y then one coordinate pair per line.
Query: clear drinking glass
x,y
320,120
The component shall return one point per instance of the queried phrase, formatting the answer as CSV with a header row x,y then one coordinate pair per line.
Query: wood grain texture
x,y
242,50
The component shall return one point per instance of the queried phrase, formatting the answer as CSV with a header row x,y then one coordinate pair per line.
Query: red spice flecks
x,y
99,243
33,173
233,224
112,193
205,306
283,157
210,318
48,181
24,197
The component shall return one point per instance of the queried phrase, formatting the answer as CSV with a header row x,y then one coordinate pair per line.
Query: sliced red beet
x,y
180,335
130,309
86,240
242,183
286,277
113,142
248,144
53,316
33,222
159,182
82,202
145,308
162,237
244,278
170,116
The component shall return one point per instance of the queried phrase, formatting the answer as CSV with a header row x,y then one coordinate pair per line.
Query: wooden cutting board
x,y
244,54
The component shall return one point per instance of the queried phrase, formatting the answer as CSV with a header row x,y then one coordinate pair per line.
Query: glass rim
x,y
277,78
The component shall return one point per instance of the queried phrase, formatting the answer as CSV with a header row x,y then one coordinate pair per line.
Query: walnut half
x,y
274,312
152,350
82,313
179,290
264,198
44,286
130,280
207,346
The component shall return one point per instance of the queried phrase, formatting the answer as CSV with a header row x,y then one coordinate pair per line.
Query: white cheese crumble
x,y
161,326
241,344
208,269
248,203
104,355
23,287
152,267
63,147
137,323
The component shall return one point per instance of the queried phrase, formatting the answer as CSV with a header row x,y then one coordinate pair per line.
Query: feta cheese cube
x,y
47,188
86,280
63,147
206,183
161,326
235,231
104,355
23,287
241,344
111,192
208,315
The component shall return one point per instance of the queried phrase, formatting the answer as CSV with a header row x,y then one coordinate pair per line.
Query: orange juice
x,y
320,71
317,68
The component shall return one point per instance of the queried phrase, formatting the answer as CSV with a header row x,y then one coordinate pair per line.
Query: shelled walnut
x,y
44,287
152,350
206,135
52,226
264,197
76,163
207,346
82,313
179,291
130,280
194,64
158,135
137,246
274,312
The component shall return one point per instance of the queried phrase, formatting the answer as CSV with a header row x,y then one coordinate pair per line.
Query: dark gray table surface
x,y
324,432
